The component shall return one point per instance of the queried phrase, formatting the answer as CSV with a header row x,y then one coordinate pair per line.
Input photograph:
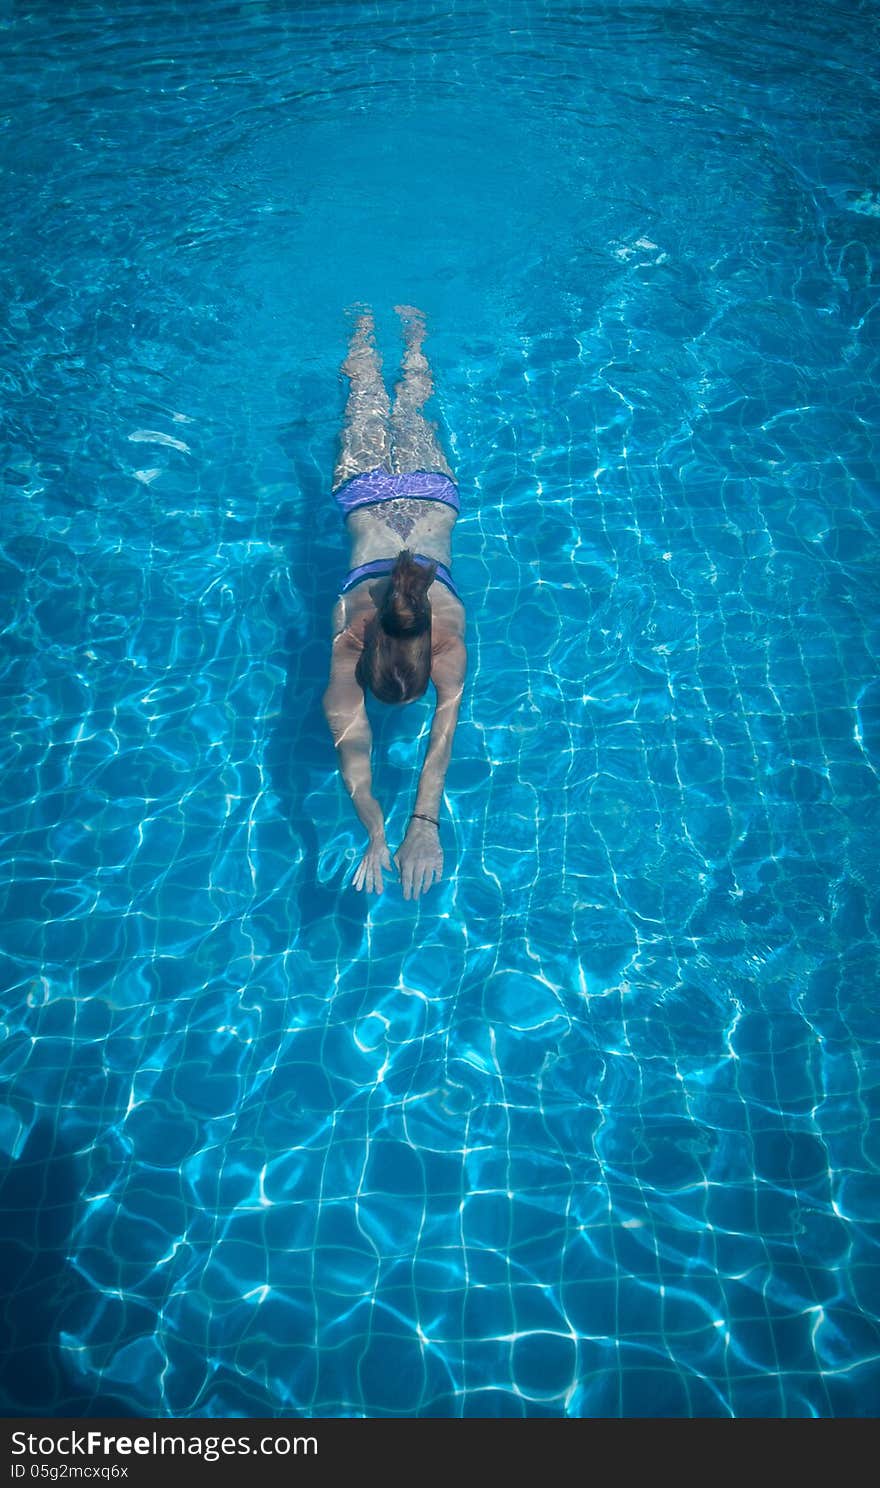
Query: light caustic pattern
x,y
589,1129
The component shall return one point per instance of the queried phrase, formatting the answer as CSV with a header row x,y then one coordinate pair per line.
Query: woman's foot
x,y
363,359
412,321
416,384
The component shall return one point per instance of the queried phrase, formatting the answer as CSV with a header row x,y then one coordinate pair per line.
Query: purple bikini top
x,y
379,567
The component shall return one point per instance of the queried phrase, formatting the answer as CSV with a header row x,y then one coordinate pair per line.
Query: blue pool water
x,y
588,1131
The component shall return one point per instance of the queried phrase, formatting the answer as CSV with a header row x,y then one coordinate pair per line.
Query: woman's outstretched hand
x,y
419,858
369,871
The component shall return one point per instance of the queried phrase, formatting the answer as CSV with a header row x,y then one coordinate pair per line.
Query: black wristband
x,y
422,817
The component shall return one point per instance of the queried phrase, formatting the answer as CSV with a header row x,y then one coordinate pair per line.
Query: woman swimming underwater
x,y
399,621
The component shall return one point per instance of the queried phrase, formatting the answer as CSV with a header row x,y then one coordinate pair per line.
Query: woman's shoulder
x,y
350,615
447,611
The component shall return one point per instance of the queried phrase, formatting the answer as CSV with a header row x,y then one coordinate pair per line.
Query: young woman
x,y
399,621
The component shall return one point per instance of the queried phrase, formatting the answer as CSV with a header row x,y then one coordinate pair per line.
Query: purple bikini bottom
x,y
375,486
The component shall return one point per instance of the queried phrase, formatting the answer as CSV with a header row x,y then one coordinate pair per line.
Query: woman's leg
x,y
364,443
414,443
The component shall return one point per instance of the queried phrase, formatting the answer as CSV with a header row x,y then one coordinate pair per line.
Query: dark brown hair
x,y
396,660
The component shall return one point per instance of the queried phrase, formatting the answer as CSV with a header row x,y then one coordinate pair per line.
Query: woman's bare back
x,y
381,531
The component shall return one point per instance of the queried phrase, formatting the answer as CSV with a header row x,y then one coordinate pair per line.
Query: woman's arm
x,y
347,718
420,858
